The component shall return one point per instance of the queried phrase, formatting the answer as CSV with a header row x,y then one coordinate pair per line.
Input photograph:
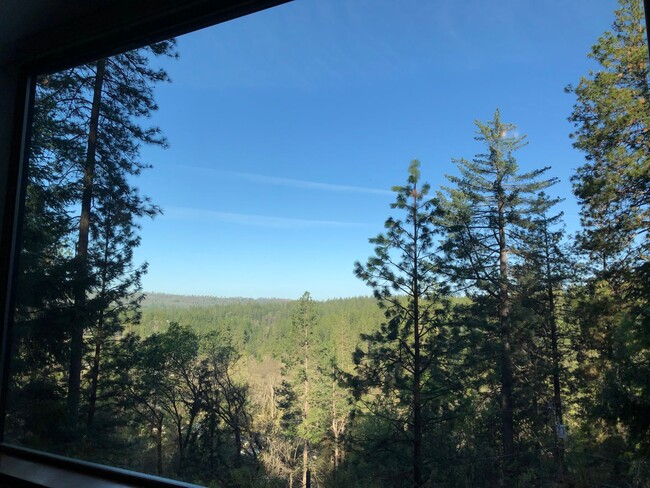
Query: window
x,y
283,152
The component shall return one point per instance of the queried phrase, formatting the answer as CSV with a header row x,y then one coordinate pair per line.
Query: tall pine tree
x,y
483,215
612,123
403,361
541,273
86,151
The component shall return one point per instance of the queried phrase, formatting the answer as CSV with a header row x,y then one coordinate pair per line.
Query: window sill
x,y
29,468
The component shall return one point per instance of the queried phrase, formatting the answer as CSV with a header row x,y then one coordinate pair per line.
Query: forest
x,y
495,348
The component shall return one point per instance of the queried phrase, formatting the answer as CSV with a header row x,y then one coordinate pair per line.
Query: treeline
x,y
501,352
179,301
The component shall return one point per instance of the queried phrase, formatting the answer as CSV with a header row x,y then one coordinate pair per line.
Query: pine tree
x,y
117,295
41,314
308,383
543,270
93,119
282,454
612,120
403,358
612,123
483,215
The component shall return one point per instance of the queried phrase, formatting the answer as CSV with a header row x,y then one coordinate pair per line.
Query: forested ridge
x,y
258,327
495,348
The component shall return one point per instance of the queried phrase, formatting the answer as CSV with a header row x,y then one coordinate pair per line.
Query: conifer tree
x,y
612,123
403,358
93,117
283,451
541,273
116,297
42,304
308,383
483,215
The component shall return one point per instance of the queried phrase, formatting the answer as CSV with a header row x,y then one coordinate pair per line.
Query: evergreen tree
x,y
543,270
117,296
286,444
404,358
483,215
308,383
42,303
86,154
612,121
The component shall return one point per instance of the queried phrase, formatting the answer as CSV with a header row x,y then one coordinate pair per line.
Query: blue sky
x,y
287,129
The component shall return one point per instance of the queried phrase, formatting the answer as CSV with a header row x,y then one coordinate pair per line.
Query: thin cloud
x,y
203,215
294,183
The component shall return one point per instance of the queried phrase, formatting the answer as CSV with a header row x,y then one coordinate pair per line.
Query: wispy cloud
x,y
204,215
293,183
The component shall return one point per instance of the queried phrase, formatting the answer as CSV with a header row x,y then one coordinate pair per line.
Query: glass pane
x,y
198,297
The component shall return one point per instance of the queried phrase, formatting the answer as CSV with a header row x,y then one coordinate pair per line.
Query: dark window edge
x,y
20,466
119,26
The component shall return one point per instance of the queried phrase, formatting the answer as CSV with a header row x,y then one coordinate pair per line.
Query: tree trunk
x,y
237,431
559,443
417,401
92,398
305,463
159,443
179,433
94,373
336,450
335,426
507,422
557,398
81,281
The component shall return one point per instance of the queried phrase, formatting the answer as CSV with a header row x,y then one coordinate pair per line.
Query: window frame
x,y
83,35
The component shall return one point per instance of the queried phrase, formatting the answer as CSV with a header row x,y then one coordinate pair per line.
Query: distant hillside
x,y
167,300
258,326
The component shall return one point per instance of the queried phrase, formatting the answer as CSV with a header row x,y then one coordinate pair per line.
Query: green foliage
x,y
488,207
78,284
612,120
248,338
402,372
484,217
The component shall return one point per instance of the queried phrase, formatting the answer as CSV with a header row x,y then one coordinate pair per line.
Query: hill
x,y
258,327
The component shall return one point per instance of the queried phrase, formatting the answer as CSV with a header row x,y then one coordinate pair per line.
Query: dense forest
x,y
495,350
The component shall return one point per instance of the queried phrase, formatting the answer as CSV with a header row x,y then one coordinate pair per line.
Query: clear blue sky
x,y
287,129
